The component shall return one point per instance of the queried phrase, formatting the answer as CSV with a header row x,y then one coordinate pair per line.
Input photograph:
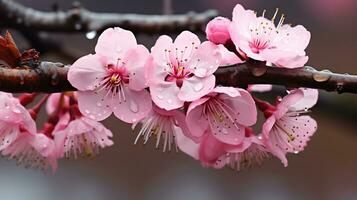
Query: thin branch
x,y
78,19
52,77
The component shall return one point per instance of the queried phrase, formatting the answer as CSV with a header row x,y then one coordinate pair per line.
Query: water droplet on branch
x,y
258,71
322,76
91,35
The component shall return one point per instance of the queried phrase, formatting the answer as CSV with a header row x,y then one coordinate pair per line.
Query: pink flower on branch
x,y
82,137
14,119
260,39
164,126
33,151
182,70
113,79
288,128
226,111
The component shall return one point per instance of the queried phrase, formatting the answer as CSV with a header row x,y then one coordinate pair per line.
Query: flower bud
x,y
217,30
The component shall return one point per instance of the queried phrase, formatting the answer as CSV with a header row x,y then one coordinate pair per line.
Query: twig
x,y
52,77
78,19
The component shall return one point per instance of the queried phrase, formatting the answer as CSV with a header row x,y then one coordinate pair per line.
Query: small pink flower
x,y
182,70
163,125
262,40
13,119
226,111
288,130
217,30
114,79
33,151
82,137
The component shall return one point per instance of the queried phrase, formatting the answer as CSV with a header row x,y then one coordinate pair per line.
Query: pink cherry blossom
x,y
33,151
288,129
182,70
13,118
163,125
114,79
259,38
82,137
55,101
217,30
226,111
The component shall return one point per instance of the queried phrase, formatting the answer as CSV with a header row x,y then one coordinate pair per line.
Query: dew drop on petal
x,y
91,35
201,71
296,152
99,104
198,87
160,96
16,109
134,120
92,116
133,107
169,101
87,111
225,131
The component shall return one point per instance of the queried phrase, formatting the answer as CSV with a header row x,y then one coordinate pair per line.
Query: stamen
x,y
275,14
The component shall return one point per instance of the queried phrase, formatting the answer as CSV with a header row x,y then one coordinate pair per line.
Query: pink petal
x,y
241,21
205,60
135,61
185,46
226,130
230,91
160,51
308,101
113,43
288,101
294,39
95,105
245,108
86,72
301,128
196,121
136,106
195,88
43,144
228,57
286,59
210,149
164,95
53,102
187,145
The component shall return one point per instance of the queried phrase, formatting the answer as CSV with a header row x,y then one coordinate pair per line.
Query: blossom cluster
x,y
170,93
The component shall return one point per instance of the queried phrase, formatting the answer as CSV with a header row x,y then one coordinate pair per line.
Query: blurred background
x,y
326,170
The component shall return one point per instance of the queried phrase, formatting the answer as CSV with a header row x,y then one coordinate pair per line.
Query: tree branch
x,y
52,77
78,19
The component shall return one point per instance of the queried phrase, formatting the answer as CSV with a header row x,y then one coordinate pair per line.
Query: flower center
x,y
178,75
114,81
263,32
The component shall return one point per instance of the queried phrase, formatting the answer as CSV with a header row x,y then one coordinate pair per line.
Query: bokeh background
x,y
326,170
